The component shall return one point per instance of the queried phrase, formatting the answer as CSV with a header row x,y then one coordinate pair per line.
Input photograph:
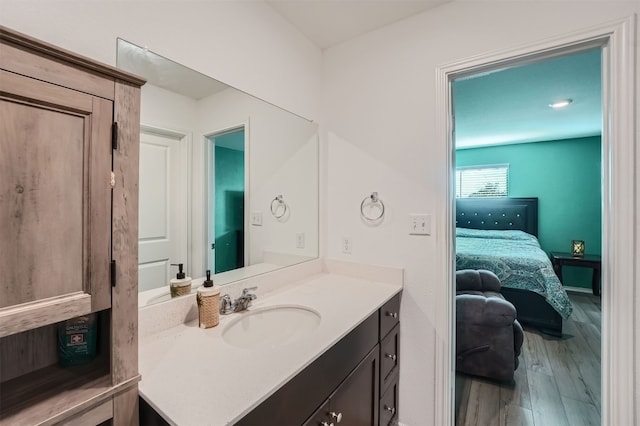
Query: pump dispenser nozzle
x,y
208,282
180,275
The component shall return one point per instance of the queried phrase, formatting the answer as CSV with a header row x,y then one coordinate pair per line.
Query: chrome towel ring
x,y
372,201
278,207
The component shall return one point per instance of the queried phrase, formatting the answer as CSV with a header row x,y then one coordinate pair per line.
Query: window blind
x,y
482,181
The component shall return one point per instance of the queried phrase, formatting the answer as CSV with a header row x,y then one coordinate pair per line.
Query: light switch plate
x,y
256,218
420,224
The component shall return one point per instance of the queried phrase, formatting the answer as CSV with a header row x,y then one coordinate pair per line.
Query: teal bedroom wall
x,y
229,207
566,177
229,175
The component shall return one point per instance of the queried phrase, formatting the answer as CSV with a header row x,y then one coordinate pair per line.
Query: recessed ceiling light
x,y
561,103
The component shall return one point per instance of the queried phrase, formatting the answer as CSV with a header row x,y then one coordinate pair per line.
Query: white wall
x,y
379,134
242,43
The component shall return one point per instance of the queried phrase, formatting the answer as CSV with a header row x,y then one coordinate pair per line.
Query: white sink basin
x,y
271,326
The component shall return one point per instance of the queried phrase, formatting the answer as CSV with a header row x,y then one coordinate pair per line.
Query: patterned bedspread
x,y
516,258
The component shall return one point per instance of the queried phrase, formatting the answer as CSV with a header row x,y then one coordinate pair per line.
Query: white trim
x,y
620,252
619,239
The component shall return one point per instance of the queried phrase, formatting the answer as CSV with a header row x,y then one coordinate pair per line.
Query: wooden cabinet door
x,y
355,402
55,203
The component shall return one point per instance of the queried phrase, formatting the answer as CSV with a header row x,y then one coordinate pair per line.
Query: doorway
x,y
226,200
513,145
619,180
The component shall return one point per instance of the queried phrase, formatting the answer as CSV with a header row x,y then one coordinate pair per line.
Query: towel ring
x,y
278,207
373,199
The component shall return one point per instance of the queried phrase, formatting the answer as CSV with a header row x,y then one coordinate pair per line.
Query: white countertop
x,y
191,376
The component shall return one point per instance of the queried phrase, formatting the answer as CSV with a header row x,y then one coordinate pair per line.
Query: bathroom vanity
x,y
338,361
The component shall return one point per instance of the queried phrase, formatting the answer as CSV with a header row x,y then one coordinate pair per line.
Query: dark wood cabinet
x,y
389,357
389,361
345,384
355,402
293,403
389,403
389,315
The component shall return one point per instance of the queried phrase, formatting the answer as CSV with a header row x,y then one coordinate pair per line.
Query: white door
x,y
163,208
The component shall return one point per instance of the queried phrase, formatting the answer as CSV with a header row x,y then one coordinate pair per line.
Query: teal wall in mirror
x,y
229,203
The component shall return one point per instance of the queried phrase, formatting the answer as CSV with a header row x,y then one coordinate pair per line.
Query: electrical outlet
x,y
346,245
256,218
300,240
420,224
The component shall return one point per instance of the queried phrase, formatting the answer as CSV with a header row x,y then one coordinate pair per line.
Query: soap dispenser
x,y
181,284
208,299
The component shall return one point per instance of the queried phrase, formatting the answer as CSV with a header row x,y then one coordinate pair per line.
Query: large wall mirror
x,y
228,182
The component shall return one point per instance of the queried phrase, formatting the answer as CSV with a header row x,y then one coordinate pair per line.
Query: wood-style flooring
x,y
557,382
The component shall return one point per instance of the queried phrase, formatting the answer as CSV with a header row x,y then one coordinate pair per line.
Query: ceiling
x,y
330,22
512,105
499,107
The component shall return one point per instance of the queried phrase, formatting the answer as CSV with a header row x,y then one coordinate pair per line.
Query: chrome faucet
x,y
228,306
244,301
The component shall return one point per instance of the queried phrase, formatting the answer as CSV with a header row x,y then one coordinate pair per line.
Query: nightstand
x,y
592,261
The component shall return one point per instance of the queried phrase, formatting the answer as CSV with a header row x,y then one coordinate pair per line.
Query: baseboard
x,y
578,289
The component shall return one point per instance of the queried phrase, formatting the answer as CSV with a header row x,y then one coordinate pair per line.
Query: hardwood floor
x,y
557,382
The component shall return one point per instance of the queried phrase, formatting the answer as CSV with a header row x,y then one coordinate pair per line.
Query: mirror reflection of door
x,y
162,210
226,200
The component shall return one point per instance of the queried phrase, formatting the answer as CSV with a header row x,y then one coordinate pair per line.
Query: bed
x,y
500,235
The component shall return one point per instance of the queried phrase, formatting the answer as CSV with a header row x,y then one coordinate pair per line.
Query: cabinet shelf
x,y
53,393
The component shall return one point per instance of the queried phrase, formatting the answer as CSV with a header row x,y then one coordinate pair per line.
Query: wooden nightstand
x,y
587,261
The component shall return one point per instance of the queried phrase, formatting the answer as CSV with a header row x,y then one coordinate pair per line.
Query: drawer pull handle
x,y
392,410
392,314
392,356
336,416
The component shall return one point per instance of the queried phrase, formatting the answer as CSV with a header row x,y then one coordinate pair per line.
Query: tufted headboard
x,y
498,213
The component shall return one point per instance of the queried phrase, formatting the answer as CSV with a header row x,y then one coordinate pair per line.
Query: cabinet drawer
x,y
389,315
389,357
389,404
